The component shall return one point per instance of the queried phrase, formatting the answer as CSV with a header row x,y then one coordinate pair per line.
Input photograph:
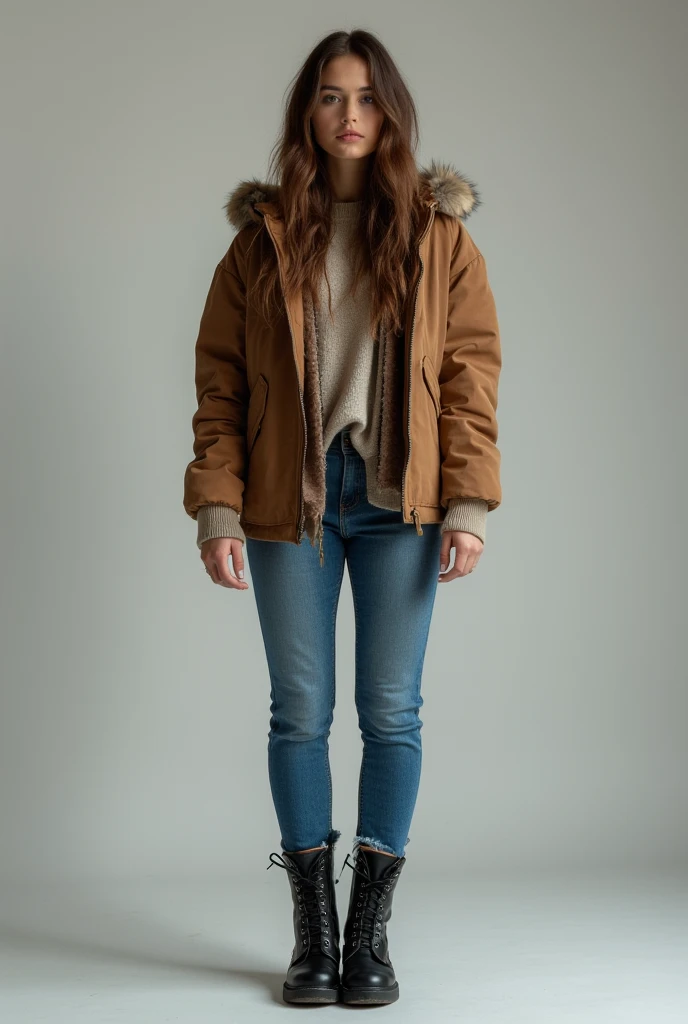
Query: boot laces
x,y
368,920
311,902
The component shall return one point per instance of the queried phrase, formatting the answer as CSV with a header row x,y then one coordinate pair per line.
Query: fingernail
x,y
442,566
241,574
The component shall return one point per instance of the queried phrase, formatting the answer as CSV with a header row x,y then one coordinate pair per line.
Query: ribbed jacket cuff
x,y
469,514
218,521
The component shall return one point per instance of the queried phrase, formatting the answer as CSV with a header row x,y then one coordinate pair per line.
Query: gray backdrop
x,y
133,733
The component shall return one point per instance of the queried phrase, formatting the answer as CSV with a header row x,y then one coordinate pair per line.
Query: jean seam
x,y
357,496
356,662
345,507
333,690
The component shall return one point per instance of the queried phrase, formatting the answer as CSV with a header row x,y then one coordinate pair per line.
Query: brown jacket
x,y
250,427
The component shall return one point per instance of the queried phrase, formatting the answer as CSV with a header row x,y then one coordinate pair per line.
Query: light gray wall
x,y
134,692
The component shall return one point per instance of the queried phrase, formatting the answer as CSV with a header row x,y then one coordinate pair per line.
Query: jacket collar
x,y
442,186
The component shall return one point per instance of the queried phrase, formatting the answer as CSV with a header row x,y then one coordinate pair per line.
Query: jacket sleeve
x,y
468,379
215,476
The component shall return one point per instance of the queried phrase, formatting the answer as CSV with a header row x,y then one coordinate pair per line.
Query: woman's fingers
x,y
467,551
215,555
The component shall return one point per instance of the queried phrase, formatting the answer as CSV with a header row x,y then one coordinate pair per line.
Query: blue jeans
x,y
393,574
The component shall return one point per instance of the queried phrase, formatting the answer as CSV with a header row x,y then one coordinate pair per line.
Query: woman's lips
x,y
350,137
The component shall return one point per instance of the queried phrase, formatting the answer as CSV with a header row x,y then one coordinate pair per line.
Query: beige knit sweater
x,y
351,388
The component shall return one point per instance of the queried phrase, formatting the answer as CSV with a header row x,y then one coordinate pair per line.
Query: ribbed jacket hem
x,y
218,521
469,514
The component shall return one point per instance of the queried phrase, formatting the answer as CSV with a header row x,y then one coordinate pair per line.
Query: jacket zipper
x,y
414,511
302,515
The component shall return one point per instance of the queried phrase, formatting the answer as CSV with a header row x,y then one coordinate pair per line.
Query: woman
x,y
347,366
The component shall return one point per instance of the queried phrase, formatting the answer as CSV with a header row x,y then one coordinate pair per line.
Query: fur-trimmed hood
x,y
454,193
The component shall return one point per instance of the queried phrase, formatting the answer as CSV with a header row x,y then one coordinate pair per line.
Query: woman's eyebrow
x,y
336,88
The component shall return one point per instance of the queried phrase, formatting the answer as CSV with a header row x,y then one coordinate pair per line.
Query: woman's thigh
x,y
297,601
394,577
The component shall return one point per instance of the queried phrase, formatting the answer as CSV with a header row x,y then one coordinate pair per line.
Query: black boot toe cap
x,y
315,972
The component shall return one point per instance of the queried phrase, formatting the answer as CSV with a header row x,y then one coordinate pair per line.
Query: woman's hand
x,y
467,551
215,554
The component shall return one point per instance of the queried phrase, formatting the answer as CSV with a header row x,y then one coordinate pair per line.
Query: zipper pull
x,y
416,518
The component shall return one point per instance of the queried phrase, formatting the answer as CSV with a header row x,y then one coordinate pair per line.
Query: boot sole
x,y
370,995
309,995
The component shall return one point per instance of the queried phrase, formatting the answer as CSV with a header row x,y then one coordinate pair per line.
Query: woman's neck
x,y
348,179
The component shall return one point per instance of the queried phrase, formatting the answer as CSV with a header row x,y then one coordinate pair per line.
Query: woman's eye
x,y
367,100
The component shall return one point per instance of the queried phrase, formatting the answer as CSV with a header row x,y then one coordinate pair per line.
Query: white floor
x,y
590,950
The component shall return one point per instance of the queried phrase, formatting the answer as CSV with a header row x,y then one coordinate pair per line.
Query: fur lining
x,y
239,206
390,454
456,195
314,469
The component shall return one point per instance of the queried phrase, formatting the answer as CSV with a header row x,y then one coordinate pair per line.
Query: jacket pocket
x,y
256,410
432,383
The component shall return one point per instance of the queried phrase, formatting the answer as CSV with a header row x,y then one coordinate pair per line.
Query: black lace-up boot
x,y
313,973
367,971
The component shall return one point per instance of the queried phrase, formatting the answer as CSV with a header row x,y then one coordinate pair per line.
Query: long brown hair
x,y
390,209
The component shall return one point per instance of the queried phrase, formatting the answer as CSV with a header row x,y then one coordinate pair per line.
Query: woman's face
x,y
347,103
